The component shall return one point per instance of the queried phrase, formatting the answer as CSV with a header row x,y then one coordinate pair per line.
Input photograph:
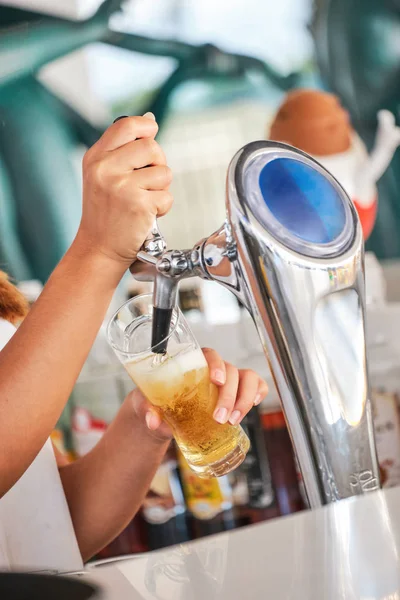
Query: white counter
x,y
348,551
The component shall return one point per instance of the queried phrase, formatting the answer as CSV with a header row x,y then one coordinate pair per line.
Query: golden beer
x,y
179,387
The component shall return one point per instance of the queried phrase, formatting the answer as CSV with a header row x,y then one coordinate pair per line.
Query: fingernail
x,y
257,400
221,415
219,376
151,421
121,117
150,115
235,417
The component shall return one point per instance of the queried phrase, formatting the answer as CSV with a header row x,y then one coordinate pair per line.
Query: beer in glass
x,y
177,383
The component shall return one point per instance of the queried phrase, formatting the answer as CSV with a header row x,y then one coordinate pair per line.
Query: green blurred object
x,y
358,52
205,62
37,145
40,199
12,254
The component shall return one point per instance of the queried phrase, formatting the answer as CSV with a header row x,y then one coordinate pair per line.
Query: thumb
x,y
149,415
153,420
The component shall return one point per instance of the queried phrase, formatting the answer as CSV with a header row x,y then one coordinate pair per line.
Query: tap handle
x,y
154,244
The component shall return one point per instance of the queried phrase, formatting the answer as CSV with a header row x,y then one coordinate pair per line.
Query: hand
x,y
239,391
125,187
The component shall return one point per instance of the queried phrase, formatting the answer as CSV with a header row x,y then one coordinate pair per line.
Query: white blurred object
x,y
387,141
96,400
71,78
375,283
69,9
31,289
220,305
242,27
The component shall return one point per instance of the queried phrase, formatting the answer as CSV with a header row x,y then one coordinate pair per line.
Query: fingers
x,y
250,393
216,366
262,391
148,414
154,178
227,395
239,390
153,420
135,155
161,200
126,130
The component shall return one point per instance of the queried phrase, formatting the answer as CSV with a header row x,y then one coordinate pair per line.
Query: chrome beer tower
x,y
291,250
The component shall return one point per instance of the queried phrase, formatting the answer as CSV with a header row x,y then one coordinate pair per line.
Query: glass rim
x,y
175,310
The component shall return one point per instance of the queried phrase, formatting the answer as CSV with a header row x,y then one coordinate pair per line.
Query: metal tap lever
x,y
154,244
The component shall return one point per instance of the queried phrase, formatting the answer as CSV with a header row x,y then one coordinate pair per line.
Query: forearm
x,y
40,364
105,488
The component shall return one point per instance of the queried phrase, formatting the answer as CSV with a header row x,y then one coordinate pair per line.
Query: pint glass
x,y
178,385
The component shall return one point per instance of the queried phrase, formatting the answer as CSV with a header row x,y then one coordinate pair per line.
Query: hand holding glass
x,y
177,383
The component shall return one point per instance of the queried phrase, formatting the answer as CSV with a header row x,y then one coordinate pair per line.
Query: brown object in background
x,y
383,474
190,298
13,305
313,121
288,498
133,540
224,521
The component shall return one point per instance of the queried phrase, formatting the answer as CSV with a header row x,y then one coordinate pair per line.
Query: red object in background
x,y
367,216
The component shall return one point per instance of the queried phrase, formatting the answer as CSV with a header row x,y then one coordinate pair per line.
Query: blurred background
x,y
216,75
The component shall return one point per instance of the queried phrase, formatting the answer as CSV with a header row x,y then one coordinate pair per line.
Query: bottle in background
x,y
385,408
164,510
256,470
209,501
288,497
256,464
384,377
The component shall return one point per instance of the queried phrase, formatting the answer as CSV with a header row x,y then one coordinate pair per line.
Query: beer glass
x,y
178,385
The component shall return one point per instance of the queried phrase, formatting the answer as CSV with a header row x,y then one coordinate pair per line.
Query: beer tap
x,y
291,249
165,269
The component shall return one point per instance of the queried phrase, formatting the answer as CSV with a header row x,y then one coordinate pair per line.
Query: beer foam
x,y
169,369
190,360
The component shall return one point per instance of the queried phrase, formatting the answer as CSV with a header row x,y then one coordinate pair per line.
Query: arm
x,y
105,488
40,364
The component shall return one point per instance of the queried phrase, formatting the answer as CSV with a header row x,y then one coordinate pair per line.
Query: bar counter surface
x,y
346,551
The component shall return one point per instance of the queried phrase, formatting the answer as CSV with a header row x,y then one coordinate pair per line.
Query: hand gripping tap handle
x,y
154,244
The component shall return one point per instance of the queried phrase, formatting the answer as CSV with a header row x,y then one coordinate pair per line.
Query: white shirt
x,y
36,531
